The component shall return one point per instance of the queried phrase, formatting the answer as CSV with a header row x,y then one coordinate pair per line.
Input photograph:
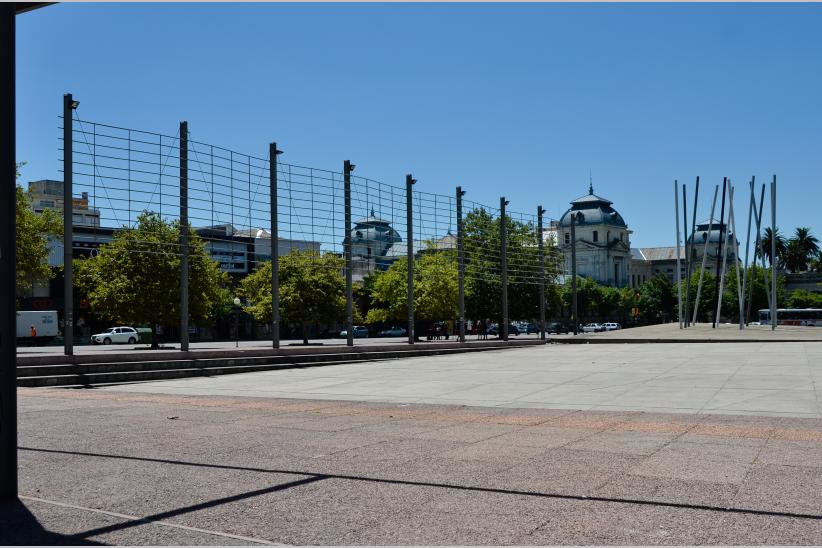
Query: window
x,y
621,236
596,236
47,203
567,238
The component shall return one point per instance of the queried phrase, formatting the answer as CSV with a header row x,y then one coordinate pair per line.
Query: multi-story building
x,y
48,194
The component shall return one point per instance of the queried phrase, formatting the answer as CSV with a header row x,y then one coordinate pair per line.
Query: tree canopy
x,y
312,289
32,240
136,278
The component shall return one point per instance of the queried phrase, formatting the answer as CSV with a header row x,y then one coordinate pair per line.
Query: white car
x,y
123,335
612,326
593,328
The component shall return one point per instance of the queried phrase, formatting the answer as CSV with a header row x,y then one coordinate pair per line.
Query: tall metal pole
x,y
739,293
348,167
678,270
503,236
687,259
273,152
68,299
409,228
460,265
721,283
759,252
705,253
719,247
745,276
541,245
774,319
8,272
689,255
184,236
574,317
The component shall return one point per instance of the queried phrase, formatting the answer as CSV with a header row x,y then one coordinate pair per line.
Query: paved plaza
x,y
559,444
772,379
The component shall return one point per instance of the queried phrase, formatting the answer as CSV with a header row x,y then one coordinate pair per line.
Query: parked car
x,y
593,328
359,332
558,327
393,332
493,329
116,335
530,328
612,326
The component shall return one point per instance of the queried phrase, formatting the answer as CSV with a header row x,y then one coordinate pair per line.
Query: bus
x,y
793,316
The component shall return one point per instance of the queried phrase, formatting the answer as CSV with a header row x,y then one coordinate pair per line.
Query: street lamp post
x,y
236,322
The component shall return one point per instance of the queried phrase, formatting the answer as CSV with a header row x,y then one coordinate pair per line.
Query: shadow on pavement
x,y
18,526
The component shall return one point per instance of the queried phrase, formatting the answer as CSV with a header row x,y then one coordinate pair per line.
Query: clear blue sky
x,y
520,100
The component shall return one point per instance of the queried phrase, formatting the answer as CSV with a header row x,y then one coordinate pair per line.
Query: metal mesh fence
x,y
120,174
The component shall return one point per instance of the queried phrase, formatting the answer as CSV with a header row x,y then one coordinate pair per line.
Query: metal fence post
x,y
348,167
409,220
503,232
574,273
460,265
8,276
68,246
541,245
184,236
275,246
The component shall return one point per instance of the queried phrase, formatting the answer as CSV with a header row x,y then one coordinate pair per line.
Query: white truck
x,y
44,322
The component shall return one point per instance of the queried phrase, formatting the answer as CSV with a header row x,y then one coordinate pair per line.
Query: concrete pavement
x,y
775,379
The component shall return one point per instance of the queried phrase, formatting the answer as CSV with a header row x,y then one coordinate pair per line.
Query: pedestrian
x,y
33,331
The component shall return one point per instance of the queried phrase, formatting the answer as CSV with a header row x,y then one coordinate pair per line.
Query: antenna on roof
x,y
590,182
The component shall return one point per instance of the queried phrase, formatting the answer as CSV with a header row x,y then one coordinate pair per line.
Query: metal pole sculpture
x,y
68,228
275,246
348,167
409,218
503,231
719,246
460,265
774,319
745,276
739,293
728,236
759,252
705,254
684,314
678,271
184,236
574,273
689,252
541,245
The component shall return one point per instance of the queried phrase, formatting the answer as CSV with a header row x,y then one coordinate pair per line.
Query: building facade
x,y
603,246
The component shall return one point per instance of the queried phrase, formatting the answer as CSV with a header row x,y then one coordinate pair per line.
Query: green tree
x,y
802,298
657,299
765,246
435,289
136,278
32,242
312,289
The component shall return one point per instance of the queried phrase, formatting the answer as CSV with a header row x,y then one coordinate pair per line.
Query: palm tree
x,y
781,246
815,264
794,258
807,242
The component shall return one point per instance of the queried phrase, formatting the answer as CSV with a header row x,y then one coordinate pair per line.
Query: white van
x,y
43,321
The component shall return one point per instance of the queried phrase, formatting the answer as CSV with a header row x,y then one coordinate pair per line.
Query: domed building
x,y
603,246
372,245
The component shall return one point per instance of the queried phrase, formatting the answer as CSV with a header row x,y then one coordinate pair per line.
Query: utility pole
x,y
503,328
184,236
774,319
348,167
275,246
409,220
460,265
